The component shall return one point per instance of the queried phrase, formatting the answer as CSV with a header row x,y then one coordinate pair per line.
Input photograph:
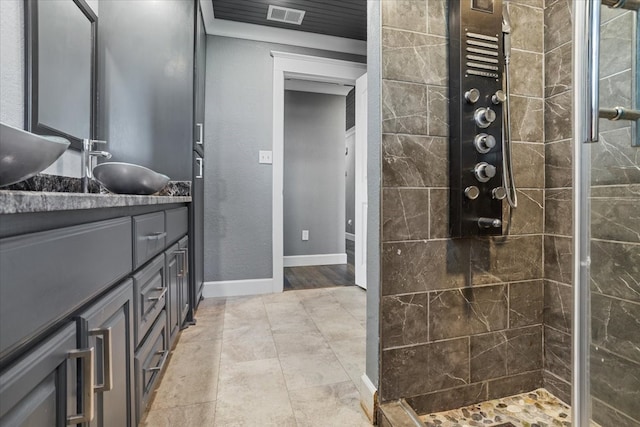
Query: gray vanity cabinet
x,y
107,327
184,280
173,267
39,389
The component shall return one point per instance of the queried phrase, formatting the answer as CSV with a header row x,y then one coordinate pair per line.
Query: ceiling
x,y
340,18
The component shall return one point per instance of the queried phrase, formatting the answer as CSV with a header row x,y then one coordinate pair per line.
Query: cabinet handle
x,y
159,297
86,379
183,269
200,163
200,139
107,364
164,354
157,236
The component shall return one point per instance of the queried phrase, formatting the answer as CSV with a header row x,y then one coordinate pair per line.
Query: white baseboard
x,y
307,260
234,288
350,236
367,396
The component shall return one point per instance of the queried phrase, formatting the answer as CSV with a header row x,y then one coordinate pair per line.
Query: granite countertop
x,y
45,193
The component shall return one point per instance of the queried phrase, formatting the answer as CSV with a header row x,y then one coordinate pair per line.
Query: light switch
x,y
265,157
305,234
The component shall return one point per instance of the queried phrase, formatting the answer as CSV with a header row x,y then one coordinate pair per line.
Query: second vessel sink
x,y
127,178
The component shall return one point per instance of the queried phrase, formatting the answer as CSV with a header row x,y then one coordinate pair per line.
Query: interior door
x,y
361,183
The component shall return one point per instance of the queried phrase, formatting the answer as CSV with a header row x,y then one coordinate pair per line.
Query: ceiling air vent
x,y
285,14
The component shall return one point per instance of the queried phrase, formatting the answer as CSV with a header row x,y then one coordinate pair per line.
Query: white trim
x,y
317,87
263,33
367,395
320,259
308,68
233,288
207,15
350,236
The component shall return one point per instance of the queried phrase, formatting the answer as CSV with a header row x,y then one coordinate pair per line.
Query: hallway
x,y
288,359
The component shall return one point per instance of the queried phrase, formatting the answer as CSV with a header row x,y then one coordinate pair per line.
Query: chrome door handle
x,y
200,139
107,364
159,297
164,354
200,163
87,382
183,268
157,236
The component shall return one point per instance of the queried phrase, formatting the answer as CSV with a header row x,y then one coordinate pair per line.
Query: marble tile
x,y
403,320
527,73
182,385
438,110
528,217
616,91
558,306
615,213
202,414
614,160
533,3
420,369
467,311
615,269
557,117
405,14
615,326
246,344
558,69
438,213
558,258
312,369
351,355
608,13
558,18
329,405
495,260
557,386
558,212
414,57
404,108
437,17
405,214
245,382
526,303
528,165
616,381
558,164
423,266
449,399
414,161
616,44
526,119
527,25
557,353
515,384
605,415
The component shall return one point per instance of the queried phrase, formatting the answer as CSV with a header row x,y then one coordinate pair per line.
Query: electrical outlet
x,y
265,157
305,234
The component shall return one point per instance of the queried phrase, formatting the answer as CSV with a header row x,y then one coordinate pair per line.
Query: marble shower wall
x,y
461,319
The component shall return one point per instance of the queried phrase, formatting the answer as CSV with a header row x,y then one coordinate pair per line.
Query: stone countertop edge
x,y
13,202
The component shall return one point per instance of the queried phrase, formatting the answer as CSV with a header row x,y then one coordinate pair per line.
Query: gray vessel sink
x,y
128,178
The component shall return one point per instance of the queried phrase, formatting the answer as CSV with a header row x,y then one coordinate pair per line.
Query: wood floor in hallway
x,y
289,359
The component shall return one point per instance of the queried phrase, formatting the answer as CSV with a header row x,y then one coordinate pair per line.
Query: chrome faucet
x,y
89,157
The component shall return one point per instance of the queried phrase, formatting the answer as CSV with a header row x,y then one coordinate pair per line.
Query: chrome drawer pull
x,y
107,368
159,297
157,236
183,268
165,354
86,380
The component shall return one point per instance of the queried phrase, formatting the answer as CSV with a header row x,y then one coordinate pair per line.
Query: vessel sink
x,y
127,178
24,154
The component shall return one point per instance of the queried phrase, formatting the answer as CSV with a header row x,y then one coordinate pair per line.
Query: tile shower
x,y
469,320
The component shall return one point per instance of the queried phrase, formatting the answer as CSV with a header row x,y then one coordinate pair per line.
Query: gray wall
x,y
146,83
239,99
12,64
350,185
314,173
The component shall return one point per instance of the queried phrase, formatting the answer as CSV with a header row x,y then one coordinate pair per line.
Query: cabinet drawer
x,y
149,361
149,237
177,223
149,296
47,275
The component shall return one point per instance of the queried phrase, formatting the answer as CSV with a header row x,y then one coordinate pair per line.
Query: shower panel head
x,y
506,31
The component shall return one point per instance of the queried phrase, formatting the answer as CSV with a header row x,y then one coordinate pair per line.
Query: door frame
x,y
301,67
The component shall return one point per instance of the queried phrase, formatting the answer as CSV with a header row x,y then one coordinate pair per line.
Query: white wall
x,y
314,173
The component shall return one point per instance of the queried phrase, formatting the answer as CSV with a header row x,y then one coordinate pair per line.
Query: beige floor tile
x,y
246,344
245,312
329,405
280,298
306,370
336,324
351,354
299,344
253,394
191,376
199,415
208,327
289,317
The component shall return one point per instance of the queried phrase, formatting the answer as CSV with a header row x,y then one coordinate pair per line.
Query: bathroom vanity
x,y
93,290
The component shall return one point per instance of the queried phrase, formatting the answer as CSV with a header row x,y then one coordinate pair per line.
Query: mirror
x,y
61,69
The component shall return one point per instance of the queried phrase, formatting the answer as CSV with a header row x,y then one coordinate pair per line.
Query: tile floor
x,y
289,359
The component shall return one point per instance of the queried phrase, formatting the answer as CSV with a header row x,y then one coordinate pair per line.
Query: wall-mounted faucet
x,y
89,158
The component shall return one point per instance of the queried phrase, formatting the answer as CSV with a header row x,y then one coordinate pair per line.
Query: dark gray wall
x,y
146,83
239,103
314,173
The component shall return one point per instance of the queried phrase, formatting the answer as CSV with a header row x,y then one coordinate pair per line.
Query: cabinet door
x,y
107,326
173,266
43,388
184,280
197,238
